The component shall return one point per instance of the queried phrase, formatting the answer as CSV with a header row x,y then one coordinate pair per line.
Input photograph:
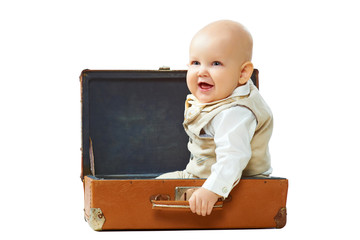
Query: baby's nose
x,y
203,72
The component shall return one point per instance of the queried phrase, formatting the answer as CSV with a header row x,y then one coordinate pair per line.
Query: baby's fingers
x,y
192,203
209,209
204,208
199,206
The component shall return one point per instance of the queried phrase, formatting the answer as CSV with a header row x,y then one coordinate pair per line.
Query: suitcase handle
x,y
178,205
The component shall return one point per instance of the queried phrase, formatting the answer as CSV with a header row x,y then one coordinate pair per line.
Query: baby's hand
x,y
202,201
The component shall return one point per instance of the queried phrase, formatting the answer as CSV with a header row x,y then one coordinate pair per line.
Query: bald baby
x,y
220,114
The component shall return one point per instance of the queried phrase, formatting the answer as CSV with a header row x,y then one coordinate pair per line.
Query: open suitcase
x,y
131,133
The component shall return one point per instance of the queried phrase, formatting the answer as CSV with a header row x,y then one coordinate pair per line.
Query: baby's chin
x,y
209,97
205,99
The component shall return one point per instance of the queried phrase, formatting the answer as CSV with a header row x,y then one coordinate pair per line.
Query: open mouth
x,y
205,86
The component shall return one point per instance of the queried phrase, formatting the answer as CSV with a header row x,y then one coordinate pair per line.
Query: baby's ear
x,y
246,71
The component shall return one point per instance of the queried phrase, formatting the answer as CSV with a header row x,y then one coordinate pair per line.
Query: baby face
x,y
214,68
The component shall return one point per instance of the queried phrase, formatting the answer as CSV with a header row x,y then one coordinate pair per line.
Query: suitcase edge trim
x,y
280,218
96,219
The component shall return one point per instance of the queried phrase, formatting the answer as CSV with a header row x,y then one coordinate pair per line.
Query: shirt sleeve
x,y
232,130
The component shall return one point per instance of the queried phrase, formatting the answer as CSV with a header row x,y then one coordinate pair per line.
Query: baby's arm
x,y
232,130
202,201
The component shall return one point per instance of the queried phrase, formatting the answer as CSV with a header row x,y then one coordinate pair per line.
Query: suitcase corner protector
x,y
280,218
96,219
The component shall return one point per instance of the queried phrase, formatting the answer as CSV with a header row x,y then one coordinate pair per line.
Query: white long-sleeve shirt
x,y
232,130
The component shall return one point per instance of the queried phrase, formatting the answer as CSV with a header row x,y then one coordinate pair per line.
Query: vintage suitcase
x,y
131,133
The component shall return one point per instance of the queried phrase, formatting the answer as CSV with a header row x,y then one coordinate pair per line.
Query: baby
x,y
228,123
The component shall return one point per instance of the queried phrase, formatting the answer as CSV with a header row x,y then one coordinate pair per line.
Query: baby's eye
x,y
195,63
216,63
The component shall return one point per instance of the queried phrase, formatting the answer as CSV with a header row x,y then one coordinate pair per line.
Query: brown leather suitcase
x,y
131,133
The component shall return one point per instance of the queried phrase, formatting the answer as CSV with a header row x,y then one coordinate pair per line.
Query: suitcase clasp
x,y
184,193
164,68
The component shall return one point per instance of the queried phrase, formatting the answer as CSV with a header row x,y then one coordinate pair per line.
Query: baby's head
x,y
219,60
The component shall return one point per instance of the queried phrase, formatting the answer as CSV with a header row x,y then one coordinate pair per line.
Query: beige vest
x,y
202,149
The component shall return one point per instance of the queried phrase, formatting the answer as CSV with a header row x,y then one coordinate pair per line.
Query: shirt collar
x,y
242,90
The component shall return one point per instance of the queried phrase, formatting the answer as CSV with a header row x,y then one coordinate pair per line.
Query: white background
x,y
308,56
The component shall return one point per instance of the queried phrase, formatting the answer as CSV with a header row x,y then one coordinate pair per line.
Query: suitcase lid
x,y
132,122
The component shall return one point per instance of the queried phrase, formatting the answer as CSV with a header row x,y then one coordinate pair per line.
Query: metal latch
x,y
184,193
164,68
